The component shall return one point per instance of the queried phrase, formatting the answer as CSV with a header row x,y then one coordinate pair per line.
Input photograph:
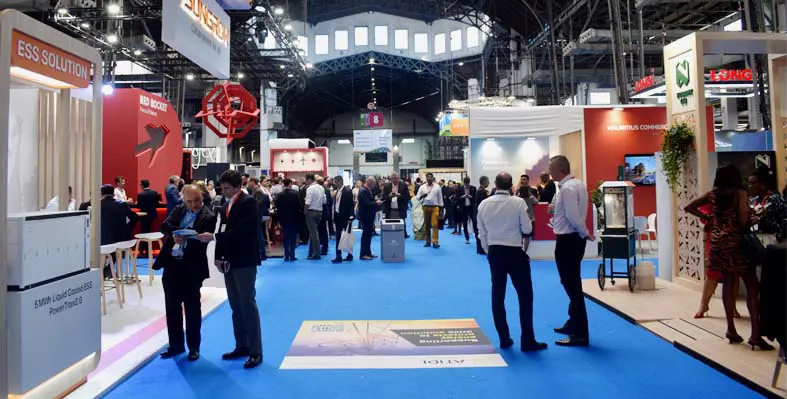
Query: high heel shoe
x,y
702,314
761,344
735,314
734,338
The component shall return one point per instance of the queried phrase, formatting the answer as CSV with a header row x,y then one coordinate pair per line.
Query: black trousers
x,y
569,251
303,229
182,297
289,232
450,209
322,230
331,224
366,237
341,227
511,261
242,296
465,213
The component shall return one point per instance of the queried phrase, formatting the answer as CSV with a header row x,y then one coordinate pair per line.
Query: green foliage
x,y
676,149
597,199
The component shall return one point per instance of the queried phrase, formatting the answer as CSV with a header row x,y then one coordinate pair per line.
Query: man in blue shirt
x,y
172,194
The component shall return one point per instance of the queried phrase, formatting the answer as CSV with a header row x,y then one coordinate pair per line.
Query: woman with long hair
x,y
729,218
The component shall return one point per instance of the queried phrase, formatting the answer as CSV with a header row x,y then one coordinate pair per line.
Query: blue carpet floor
x,y
624,361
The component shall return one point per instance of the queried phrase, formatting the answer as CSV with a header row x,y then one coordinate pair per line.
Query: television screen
x,y
641,169
376,157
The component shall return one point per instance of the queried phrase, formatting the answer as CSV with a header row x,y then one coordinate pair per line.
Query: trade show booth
x,y
50,135
294,158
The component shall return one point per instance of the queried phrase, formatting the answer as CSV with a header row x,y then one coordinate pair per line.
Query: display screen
x,y
641,169
376,157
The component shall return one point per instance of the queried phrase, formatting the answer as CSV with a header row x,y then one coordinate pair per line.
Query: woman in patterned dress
x,y
729,218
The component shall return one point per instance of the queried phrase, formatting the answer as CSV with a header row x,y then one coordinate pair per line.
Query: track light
x,y
278,11
113,9
309,65
62,11
260,8
288,27
112,38
189,76
137,52
282,66
289,75
241,75
107,89
84,25
461,63
372,69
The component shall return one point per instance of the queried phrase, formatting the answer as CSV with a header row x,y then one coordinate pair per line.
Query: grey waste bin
x,y
392,240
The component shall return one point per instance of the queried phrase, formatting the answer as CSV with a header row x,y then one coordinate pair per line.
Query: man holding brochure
x,y
185,263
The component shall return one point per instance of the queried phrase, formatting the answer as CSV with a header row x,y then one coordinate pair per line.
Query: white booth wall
x,y
413,156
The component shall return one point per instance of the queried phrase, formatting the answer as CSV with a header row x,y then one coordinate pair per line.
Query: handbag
x,y
752,249
347,239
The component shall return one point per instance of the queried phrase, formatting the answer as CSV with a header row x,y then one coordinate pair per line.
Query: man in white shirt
x,y
569,225
431,197
315,199
54,204
502,225
120,190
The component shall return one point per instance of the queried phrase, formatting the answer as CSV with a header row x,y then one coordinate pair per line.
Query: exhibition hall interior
x,y
358,199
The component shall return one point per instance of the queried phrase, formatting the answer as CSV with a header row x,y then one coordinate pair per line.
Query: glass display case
x,y
618,199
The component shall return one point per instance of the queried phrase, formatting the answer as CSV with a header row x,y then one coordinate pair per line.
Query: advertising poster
x,y
200,30
391,344
515,155
379,140
454,124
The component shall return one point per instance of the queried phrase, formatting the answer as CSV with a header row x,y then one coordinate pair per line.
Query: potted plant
x,y
676,150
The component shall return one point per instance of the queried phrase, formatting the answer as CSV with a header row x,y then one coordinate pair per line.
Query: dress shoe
x,y
436,246
313,258
293,259
573,340
427,245
563,330
237,353
349,258
286,259
253,362
336,261
406,236
170,353
324,253
193,356
505,344
533,346
374,256
366,258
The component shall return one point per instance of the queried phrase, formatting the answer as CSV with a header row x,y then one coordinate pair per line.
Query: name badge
x,y
223,227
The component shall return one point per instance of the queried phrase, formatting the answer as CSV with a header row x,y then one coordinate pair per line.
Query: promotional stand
x,y
296,162
50,321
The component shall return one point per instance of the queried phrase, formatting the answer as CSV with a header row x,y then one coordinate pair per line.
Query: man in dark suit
x,y
367,211
116,217
343,210
237,256
148,201
481,194
396,198
185,264
288,212
547,189
173,194
465,204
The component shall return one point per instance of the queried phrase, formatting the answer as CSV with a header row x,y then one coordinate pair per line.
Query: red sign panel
x,y
543,229
375,119
644,83
731,75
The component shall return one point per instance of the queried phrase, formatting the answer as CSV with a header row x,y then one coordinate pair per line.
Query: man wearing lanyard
x,y
569,225
343,212
313,205
237,256
396,196
431,196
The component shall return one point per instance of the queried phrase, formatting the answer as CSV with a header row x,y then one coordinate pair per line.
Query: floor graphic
x,y
391,344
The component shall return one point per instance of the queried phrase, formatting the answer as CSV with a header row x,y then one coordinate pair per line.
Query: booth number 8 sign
x,y
374,119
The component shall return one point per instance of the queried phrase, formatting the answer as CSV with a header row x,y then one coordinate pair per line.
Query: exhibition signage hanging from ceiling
x,y
229,111
731,75
454,124
200,30
380,140
34,60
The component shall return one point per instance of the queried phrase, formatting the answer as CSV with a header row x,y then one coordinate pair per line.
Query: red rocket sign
x,y
230,111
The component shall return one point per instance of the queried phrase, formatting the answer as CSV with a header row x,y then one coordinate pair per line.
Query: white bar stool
x,y
150,238
127,261
106,256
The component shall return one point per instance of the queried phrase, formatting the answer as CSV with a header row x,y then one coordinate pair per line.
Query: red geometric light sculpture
x,y
230,111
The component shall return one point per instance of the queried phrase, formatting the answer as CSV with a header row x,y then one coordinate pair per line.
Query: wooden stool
x,y
127,263
106,255
779,361
150,238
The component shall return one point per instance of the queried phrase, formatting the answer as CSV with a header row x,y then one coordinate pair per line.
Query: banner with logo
x,y
454,124
379,140
391,344
683,83
200,30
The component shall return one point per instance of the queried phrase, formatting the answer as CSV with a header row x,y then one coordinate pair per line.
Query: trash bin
x,y
392,240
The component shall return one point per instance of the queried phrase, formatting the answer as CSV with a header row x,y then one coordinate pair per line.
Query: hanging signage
x,y
645,83
380,140
454,124
731,75
681,82
200,30
372,119
37,57
229,111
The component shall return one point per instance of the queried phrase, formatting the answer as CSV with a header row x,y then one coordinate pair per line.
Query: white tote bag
x,y
347,240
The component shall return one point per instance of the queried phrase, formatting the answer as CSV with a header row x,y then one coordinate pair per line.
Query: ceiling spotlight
x,y
372,68
62,11
375,100
288,27
278,11
289,75
260,8
112,38
137,52
189,76
113,9
371,60
309,65
107,89
372,79
374,91
241,75
249,39
84,25
281,67
461,63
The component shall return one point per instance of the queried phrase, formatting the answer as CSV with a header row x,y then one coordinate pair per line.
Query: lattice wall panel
x,y
690,236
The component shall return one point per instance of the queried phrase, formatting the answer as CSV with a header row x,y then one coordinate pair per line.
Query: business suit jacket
x,y
402,201
480,195
548,192
238,238
147,201
114,227
347,205
173,197
193,267
288,207
263,202
367,206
